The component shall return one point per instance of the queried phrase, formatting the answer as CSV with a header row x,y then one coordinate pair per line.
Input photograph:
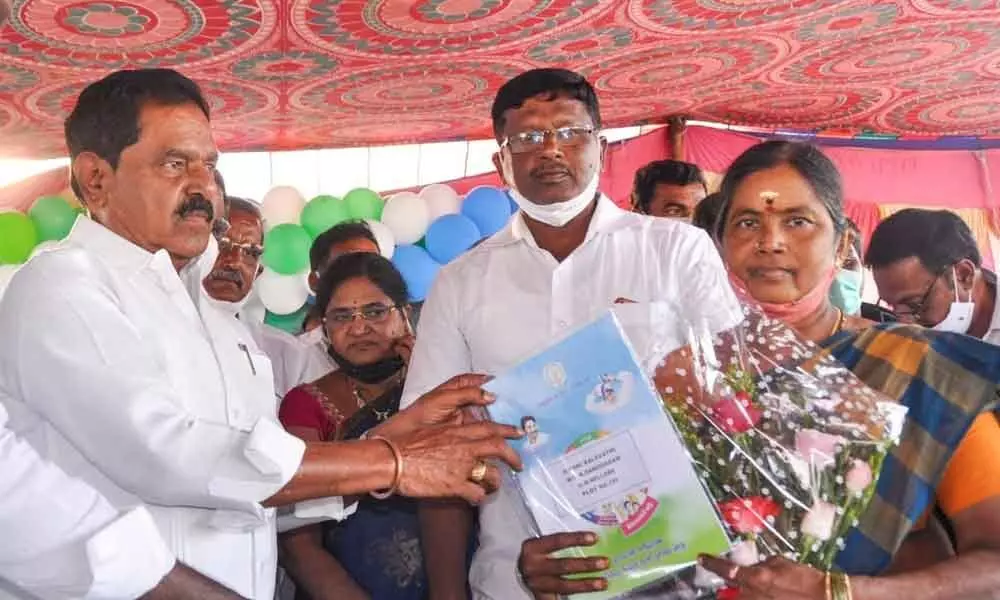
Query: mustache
x,y
197,203
228,274
549,168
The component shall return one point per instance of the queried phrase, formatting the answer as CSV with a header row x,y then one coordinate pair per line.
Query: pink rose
x,y
859,477
817,448
818,522
736,414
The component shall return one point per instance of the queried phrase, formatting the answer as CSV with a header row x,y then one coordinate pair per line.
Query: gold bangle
x,y
397,458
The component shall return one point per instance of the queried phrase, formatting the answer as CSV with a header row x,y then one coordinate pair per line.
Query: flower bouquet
x,y
788,442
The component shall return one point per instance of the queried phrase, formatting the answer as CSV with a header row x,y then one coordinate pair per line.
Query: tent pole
x,y
675,131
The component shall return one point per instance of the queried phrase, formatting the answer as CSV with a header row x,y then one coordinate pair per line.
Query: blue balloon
x,y
449,236
418,269
488,207
513,205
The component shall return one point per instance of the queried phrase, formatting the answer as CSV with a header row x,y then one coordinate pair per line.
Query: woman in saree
x,y
376,552
781,233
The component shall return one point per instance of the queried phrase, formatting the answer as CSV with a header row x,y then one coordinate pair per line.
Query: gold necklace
x,y
380,415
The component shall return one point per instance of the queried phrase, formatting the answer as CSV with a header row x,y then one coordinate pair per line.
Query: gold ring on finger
x,y
478,473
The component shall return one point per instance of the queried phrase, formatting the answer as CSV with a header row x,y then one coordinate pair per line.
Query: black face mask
x,y
372,373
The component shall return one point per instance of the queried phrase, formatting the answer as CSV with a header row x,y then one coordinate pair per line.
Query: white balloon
x,y
383,235
405,214
282,294
441,199
6,274
282,204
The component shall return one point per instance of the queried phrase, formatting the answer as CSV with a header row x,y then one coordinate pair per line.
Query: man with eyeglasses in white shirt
x,y
113,369
569,255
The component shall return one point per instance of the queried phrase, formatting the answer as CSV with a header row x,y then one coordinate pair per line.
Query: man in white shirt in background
x,y
569,255
62,539
229,284
112,368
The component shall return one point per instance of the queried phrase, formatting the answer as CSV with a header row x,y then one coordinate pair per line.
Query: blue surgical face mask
x,y
845,293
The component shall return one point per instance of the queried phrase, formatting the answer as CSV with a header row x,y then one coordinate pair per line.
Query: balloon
x,y
488,207
363,203
451,235
282,294
17,237
6,274
286,249
441,200
53,217
383,235
282,204
405,214
290,323
417,268
322,213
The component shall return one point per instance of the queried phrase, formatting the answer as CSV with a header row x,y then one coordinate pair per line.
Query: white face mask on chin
x,y
959,317
556,214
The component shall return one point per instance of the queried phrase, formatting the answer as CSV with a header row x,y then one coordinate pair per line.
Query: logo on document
x,y
555,375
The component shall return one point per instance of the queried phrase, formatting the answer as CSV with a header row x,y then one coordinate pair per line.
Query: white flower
x,y
818,522
744,554
705,579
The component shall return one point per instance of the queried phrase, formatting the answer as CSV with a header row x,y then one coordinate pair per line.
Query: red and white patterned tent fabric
x,y
320,73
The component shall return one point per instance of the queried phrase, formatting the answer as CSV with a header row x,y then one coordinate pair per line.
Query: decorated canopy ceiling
x,y
324,73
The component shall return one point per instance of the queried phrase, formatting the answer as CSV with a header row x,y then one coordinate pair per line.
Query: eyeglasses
x,y
374,313
913,310
248,252
531,141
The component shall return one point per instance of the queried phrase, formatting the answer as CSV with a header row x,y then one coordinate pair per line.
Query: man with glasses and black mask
x,y
928,270
568,256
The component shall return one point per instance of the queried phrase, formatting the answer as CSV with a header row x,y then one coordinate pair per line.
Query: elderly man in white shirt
x,y
62,539
228,285
566,257
113,369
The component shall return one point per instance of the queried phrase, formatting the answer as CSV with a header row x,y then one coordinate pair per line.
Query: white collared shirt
x,y
109,370
62,539
508,299
294,361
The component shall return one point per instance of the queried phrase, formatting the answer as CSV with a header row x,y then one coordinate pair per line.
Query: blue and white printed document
x,y
600,454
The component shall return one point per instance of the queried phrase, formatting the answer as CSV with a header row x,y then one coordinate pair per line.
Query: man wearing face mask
x,y
928,269
567,256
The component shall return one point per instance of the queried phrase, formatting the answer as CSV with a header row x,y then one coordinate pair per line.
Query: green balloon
x,y
18,238
291,323
363,203
53,217
286,248
322,213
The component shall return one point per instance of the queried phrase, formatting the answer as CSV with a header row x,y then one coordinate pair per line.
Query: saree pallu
x,y
945,380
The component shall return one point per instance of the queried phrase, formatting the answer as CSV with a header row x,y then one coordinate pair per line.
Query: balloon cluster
x,y
418,232
48,220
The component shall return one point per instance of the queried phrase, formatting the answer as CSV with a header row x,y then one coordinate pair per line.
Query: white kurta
x,y
108,370
508,299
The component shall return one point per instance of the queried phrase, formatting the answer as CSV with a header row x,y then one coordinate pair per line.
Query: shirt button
x,y
562,324
235,415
